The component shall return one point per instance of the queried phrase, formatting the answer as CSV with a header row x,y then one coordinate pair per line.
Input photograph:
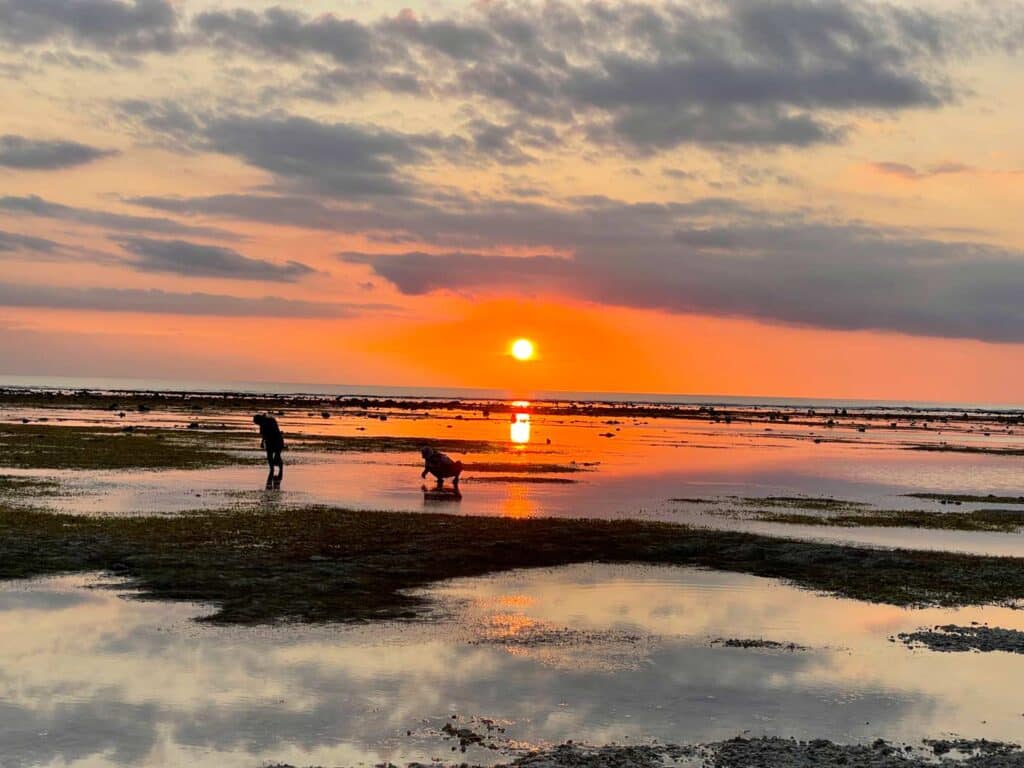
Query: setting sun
x,y
522,349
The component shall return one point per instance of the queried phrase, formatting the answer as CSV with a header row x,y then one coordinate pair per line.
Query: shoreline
x,y
938,420
405,392
321,564
737,752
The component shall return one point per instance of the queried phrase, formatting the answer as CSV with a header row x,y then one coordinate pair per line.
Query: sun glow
x,y
519,430
522,349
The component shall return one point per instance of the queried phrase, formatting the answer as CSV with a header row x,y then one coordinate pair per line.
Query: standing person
x,y
440,466
272,441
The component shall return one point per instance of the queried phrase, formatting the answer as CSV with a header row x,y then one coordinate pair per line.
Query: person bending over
x,y
272,441
440,466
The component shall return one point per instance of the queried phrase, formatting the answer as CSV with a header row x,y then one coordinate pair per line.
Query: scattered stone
x,y
734,642
979,752
774,752
950,638
466,736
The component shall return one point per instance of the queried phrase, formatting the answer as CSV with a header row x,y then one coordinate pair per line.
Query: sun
x,y
522,349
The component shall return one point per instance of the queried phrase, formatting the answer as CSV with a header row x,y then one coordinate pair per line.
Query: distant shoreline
x,y
823,415
111,385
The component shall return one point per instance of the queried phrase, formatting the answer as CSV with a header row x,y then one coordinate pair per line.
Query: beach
x,y
618,583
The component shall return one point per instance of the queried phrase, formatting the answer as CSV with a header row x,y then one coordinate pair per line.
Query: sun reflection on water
x,y
519,428
517,502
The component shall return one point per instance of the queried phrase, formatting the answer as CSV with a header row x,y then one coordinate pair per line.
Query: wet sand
x,y
364,456
806,509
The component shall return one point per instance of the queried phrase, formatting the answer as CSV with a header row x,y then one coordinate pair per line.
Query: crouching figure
x,y
440,466
272,441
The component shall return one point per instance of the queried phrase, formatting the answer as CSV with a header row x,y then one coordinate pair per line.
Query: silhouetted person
x,y
272,441
440,466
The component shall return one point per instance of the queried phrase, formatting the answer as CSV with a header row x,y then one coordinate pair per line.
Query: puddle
x,y
635,473
592,653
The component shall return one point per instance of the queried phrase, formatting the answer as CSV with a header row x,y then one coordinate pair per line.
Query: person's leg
x,y
458,473
440,480
270,464
280,469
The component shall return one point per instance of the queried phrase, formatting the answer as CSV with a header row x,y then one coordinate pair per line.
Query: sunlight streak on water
x,y
519,428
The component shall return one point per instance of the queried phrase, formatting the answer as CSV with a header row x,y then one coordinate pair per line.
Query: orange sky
x,y
847,241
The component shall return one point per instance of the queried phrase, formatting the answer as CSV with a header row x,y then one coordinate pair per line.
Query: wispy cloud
x,y
196,260
156,301
33,205
28,154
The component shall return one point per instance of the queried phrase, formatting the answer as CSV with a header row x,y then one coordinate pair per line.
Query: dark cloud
x,y
28,247
510,143
648,75
155,301
712,255
288,34
115,26
42,155
290,211
455,39
337,159
416,273
466,222
326,85
32,205
837,276
163,122
12,242
194,260
650,128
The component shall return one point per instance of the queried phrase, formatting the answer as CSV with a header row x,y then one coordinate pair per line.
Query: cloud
x,y
125,26
844,276
33,205
284,210
464,222
709,255
646,75
416,273
910,173
194,260
41,155
337,159
287,34
12,242
165,122
155,301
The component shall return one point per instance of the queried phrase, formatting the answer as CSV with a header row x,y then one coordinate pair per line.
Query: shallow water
x,y
591,653
637,472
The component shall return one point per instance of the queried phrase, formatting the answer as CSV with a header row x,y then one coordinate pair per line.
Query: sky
x,y
742,197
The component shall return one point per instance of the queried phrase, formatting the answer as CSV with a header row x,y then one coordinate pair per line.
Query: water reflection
x,y
631,467
518,502
594,653
519,428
